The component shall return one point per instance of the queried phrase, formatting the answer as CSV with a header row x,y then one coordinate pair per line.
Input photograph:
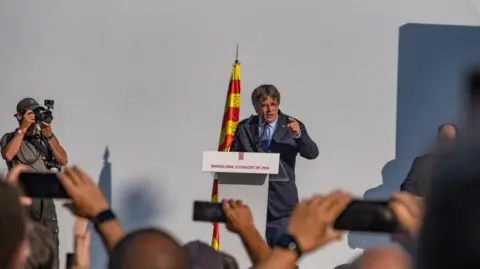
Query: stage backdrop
x,y
139,90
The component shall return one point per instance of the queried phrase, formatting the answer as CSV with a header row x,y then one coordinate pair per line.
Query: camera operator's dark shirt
x,y
41,210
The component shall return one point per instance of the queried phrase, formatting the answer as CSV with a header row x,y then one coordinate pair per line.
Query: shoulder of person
x,y
244,121
7,136
424,157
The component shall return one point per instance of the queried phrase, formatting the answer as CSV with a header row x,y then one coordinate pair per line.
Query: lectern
x,y
243,176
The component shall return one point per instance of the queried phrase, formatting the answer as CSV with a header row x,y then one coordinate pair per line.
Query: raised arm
x,y
10,143
240,221
306,147
58,151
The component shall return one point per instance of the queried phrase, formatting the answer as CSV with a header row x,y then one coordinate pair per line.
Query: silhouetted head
x,y
380,258
450,234
14,248
148,249
228,261
202,256
447,136
265,100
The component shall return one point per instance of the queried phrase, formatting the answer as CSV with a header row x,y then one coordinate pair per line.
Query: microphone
x,y
258,141
247,122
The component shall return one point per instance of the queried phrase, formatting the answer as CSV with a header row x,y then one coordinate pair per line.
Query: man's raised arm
x,y
306,147
11,145
58,151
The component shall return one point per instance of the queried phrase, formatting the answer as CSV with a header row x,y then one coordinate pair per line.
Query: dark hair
x,y
42,247
263,91
125,248
12,222
448,124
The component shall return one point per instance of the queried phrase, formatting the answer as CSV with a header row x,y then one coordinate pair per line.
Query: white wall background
x,y
148,79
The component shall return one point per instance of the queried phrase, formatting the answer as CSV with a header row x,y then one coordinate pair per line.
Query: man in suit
x,y
273,131
418,177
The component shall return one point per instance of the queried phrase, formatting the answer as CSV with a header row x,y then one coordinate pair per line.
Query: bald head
x,y
148,249
381,258
446,136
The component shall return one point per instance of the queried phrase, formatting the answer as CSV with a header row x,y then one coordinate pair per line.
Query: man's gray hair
x,y
263,91
42,247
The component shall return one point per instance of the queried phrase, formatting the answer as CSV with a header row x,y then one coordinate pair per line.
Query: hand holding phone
x,y
367,216
209,212
358,216
42,185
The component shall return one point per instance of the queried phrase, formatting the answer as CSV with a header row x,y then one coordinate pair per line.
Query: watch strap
x,y
104,216
287,241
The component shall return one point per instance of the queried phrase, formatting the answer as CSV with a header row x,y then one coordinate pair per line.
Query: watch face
x,y
288,242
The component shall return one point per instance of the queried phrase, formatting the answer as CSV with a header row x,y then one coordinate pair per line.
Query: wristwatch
x,y
289,242
102,217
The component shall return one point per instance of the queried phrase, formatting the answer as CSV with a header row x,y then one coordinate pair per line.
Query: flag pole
x,y
230,120
236,55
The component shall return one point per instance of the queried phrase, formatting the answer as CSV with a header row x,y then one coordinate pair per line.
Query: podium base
x,y
252,189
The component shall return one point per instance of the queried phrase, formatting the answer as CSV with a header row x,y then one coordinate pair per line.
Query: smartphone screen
x,y
42,185
207,211
70,261
367,216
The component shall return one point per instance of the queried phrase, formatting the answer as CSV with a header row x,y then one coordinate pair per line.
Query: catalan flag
x,y
229,124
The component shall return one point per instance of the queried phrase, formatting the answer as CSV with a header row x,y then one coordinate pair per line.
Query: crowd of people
x,y
436,222
26,245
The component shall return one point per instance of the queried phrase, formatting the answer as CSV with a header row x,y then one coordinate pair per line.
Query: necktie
x,y
265,139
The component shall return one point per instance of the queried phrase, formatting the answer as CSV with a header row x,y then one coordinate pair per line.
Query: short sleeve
x,y
4,140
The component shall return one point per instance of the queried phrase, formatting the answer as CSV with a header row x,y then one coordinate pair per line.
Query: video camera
x,y
44,114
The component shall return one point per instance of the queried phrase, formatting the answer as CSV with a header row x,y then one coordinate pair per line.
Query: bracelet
x,y
20,132
44,128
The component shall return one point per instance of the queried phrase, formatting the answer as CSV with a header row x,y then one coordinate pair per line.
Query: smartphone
x,y
70,260
209,212
42,185
367,216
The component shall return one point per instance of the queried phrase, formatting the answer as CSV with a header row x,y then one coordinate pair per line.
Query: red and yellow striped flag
x,y
229,124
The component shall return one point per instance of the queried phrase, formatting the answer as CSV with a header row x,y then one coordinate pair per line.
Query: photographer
x,y
34,145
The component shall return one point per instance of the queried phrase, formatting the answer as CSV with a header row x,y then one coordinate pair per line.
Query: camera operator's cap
x,y
27,104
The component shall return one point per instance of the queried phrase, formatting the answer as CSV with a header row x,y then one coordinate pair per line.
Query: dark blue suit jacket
x,y
282,196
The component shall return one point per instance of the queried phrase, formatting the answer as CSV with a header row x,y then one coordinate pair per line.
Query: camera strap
x,y
41,145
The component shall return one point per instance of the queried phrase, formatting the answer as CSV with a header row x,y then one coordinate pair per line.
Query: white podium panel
x,y
240,162
242,176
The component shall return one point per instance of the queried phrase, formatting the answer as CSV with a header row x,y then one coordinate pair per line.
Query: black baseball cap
x,y
27,104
